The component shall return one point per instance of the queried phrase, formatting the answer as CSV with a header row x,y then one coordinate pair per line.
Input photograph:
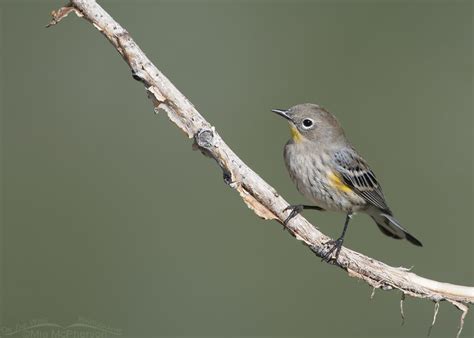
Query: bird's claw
x,y
295,210
335,245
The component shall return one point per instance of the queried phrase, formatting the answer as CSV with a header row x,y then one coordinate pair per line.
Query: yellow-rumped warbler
x,y
330,173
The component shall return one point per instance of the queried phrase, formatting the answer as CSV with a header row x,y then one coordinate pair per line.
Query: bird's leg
x,y
337,244
296,209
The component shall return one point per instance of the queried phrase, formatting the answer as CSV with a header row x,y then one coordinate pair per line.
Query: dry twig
x,y
256,193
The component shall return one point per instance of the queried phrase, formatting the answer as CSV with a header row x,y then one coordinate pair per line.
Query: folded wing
x,y
357,175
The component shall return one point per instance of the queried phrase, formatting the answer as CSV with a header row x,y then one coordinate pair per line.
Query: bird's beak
x,y
282,112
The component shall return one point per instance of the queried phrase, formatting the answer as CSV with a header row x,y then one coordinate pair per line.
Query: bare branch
x,y
256,193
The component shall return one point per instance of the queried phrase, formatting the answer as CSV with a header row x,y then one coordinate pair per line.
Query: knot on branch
x,y
204,138
138,77
204,141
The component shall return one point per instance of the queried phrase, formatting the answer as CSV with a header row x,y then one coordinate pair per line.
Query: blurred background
x,y
107,214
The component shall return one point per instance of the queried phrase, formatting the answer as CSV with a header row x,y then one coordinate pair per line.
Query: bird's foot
x,y
295,210
335,247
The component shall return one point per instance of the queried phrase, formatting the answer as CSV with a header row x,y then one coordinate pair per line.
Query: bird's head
x,y
311,123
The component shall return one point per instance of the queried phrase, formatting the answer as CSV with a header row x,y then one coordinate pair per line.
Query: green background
x,y
108,214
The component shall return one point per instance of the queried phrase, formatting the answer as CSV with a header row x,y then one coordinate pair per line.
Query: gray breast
x,y
309,171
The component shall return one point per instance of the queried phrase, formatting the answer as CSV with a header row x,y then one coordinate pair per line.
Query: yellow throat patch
x,y
295,134
337,183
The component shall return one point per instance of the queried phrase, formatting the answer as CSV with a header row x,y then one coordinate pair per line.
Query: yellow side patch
x,y
295,134
337,183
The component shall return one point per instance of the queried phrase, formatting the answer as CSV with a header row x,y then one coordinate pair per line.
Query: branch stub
x,y
204,138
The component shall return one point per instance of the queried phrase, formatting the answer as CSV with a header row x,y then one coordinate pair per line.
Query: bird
x,y
330,173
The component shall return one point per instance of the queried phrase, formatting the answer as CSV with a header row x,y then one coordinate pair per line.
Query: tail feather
x,y
391,227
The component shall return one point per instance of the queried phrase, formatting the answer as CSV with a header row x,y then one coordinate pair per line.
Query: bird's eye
x,y
307,123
